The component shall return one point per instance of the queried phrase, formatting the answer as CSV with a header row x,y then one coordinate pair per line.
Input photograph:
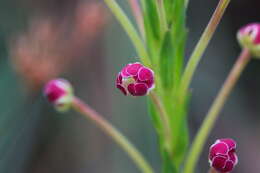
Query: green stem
x,y
202,45
214,111
137,13
120,139
130,30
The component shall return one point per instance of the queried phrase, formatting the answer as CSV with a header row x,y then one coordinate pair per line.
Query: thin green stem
x,y
202,45
137,13
130,30
163,115
120,139
214,111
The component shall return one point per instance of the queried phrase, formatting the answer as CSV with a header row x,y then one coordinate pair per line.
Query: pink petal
x,y
256,30
131,89
228,167
133,68
219,163
122,89
119,79
257,38
218,148
53,90
124,72
149,83
253,30
230,142
141,89
145,74
233,157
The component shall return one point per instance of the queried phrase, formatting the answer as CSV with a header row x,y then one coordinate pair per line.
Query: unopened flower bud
x,y
135,79
222,156
249,37
59,92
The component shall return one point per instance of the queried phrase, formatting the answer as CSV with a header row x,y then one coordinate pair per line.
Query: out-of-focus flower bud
x,y
249,37
59,92
222,155
135,79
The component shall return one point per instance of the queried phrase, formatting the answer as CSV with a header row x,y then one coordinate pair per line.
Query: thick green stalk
x,y
214,111
130,30
111,131
202,45
164,118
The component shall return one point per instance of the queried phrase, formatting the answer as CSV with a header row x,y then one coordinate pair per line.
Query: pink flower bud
x,y
249,37
59,92
222,155
135,79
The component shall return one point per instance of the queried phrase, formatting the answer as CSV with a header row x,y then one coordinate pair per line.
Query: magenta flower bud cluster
x,y
135,79
249,37
222,155
59,92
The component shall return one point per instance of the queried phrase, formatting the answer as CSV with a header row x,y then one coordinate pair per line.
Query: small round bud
x,y
135,79
59,92
222,156
249,37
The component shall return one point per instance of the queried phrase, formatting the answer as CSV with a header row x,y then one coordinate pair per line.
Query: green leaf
x,y
173,45
151,19
152,27
171,59
174,9
167,61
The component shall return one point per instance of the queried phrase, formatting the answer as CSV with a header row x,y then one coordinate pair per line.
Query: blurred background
x,y
81,41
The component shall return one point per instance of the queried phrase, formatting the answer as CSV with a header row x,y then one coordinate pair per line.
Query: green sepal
x,y
166,61
151,27
175,10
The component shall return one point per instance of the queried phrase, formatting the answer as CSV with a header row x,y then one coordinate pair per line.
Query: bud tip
x,y
59,92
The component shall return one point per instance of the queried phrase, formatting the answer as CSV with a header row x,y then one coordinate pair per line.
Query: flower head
x,y
222,155
59,92
135,79
249,37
